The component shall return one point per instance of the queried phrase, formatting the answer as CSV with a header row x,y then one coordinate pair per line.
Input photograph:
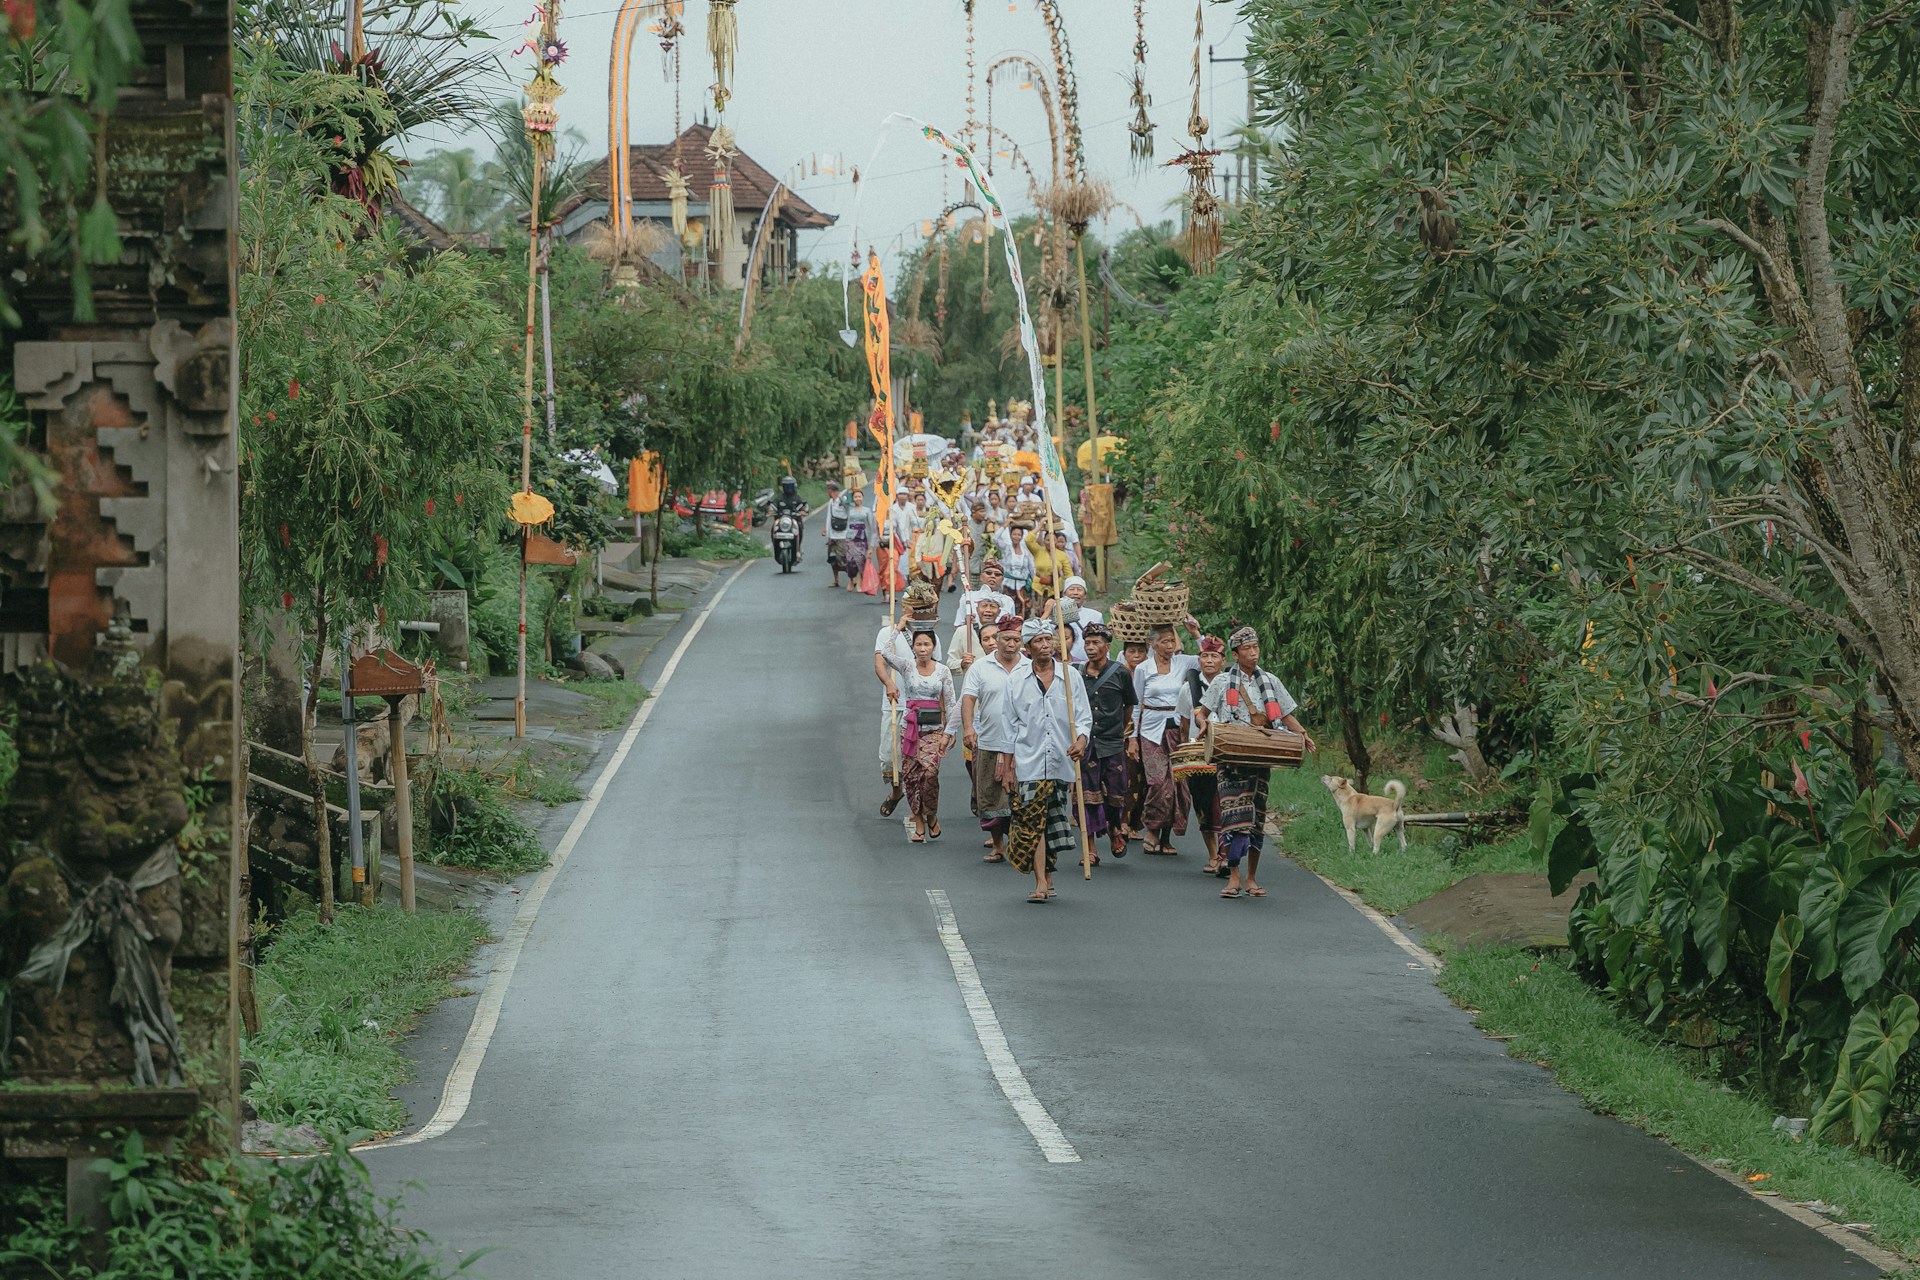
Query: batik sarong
x,y
920,762
1104,784
992,802
1041,817
1243,811
1167,801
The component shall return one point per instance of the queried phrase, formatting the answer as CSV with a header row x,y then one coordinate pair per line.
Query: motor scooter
x,y
786,541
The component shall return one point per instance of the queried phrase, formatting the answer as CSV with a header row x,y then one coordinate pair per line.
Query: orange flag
x,y
646,480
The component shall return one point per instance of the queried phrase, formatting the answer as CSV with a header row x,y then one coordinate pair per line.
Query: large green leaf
x,y
1874,913
1820,900
1877,1038
1713,913
1571,853
1787,935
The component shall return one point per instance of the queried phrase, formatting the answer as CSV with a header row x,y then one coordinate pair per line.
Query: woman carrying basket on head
x,y
1246,693
927,729
1156,686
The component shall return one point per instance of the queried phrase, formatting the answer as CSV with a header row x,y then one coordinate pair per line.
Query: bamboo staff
x,y
1062,657
1093,411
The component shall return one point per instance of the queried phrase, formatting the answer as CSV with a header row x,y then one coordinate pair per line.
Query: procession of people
x,y
1061,740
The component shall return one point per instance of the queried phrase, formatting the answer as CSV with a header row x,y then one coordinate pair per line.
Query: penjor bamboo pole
x,y
1093,411
526,428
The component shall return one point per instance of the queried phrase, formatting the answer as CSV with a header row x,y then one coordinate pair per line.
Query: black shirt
x,y
1112,696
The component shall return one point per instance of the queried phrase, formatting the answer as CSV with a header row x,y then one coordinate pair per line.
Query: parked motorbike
x,y
786,542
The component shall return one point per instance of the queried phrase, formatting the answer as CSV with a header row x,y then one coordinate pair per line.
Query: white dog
x,y
1356,806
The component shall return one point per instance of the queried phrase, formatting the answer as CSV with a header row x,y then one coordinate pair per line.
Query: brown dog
x,y
1356,806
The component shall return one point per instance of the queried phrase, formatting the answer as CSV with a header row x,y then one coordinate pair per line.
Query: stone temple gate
x,y
119,640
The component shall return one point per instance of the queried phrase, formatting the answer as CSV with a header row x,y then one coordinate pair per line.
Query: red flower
x,y
20,17
429,506
379,550
286,536
459,499
1800,784
272,416
293,388
286,600
256,419
1806,739
1274,429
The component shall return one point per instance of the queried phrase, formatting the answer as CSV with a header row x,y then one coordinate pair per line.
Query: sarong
x,y
1204,789
1104,783
1041,816
991,802
1166,795
1136,794
837,554
853,554
1243,811
921,775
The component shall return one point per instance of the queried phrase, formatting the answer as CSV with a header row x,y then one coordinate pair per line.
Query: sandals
x,y
1037,899
1230,892
891,803
995,857
1256,892
933,832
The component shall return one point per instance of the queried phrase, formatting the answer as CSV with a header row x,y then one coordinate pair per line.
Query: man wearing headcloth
x,y
1076,591
1048,743
1246,693
1203,786
992,587
1103,772
988,734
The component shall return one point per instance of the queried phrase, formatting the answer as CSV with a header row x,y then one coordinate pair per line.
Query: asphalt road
x,y
735,1047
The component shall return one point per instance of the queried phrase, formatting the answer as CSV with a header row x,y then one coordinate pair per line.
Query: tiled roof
x,y
650,163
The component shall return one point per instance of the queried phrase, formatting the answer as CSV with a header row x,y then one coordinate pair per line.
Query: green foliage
x,y
335,1003
224,1219
59,76
475,827
374,393
618,700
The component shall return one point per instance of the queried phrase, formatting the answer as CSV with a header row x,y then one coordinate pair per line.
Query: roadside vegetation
x,y
335,1004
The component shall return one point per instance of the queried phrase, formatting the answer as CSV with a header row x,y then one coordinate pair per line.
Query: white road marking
x,y
993,1041
458,1093
1386,926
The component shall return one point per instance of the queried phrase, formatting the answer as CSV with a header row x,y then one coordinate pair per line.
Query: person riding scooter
x,y
788,503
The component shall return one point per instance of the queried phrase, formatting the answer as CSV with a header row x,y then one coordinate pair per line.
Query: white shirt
x,y
902,523
965,642
1087,618
975,596
1042,733
986,684
897,648
1161,691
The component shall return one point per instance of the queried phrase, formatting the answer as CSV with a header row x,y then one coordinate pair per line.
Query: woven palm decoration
x,y
720,221
1140,141
723,42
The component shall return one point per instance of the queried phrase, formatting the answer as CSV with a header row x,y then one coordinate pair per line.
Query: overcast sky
x,y
819,77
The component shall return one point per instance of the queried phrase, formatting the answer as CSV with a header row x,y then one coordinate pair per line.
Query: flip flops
x,y
1230,893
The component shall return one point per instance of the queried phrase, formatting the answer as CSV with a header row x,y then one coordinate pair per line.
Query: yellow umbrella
x,y
1109,445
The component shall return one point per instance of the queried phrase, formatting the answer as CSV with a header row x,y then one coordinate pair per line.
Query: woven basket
x,y
1127,628
1158,602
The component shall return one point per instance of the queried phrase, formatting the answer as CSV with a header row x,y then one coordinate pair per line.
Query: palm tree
x,y
455,188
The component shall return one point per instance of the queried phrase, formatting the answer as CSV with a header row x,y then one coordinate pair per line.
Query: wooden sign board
x,y
384,674
544,550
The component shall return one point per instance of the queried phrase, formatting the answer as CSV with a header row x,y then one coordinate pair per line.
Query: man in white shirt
x,y
892,640
1076,591
968,646
992,581
1048,741
986,732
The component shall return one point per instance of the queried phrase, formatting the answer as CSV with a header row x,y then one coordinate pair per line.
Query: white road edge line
x,y
1386,926
458,1093
993,1041
1852,1241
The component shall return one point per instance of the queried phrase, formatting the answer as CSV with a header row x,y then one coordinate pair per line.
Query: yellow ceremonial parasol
x,y
1027,460
1109,445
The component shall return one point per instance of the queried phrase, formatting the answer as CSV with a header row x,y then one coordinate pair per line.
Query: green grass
x,y
617,699
334,1003
486,834
1555,1018
1391,881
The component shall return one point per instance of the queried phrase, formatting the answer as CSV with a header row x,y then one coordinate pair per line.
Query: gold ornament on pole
x,y
723,41
720,219
1203,211
1140,143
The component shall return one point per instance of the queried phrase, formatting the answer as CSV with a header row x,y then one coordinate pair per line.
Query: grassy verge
x,y
1555,1018
617,699
475,827
1392,880
334,1003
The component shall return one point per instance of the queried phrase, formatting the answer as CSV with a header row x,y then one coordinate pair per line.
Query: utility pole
x,y
1246,163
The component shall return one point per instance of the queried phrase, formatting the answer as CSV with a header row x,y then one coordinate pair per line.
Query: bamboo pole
x,y
526,428
1063,656
1093,411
